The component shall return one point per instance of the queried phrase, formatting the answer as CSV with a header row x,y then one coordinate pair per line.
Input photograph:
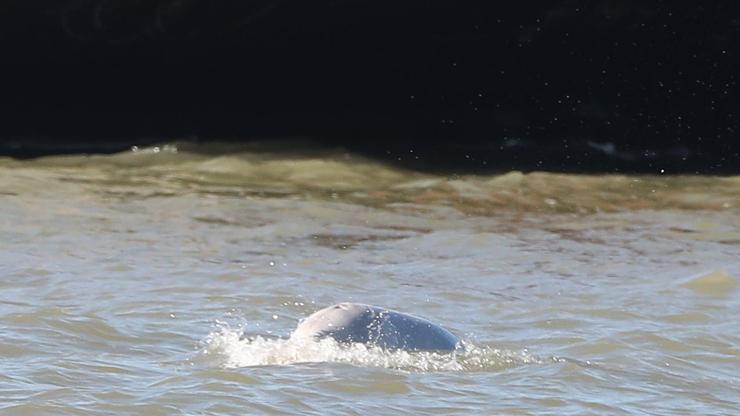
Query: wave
x,y
299,171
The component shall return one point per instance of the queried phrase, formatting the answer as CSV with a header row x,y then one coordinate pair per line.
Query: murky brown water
x,y
167,281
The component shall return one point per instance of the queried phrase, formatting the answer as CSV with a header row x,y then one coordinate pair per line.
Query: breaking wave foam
x,y
228,348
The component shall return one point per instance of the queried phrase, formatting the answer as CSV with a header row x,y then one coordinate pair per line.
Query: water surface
x,y
167,280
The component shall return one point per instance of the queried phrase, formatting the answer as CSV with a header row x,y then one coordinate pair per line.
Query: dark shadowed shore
x,y
566,86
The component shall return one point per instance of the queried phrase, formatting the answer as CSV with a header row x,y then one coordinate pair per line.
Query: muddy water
x,y
168,280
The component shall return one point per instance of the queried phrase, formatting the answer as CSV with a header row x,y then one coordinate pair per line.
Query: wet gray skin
x,y
373,325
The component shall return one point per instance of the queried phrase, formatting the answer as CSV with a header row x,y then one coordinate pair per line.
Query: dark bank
x,y
597,86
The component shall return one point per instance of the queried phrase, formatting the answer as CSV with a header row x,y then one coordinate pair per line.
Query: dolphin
x,y
376,326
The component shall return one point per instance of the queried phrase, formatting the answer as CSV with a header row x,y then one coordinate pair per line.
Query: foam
x,y
227,348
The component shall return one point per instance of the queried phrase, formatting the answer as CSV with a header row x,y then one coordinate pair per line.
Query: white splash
x,y
229,349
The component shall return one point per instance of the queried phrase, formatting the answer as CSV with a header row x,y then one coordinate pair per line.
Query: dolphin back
x,y
373,325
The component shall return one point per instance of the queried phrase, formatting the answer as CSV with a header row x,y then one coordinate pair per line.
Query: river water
x,y
167,280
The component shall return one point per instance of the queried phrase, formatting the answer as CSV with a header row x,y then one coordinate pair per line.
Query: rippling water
x,y
167,281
